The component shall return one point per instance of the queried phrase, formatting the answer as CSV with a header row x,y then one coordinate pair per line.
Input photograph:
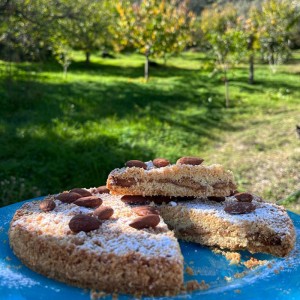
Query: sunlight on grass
x,y
60,133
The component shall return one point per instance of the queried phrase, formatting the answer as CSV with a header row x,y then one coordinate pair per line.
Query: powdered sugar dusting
x,y
274,216
11,278
114,235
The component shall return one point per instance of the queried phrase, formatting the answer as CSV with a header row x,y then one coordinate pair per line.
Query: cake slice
x,y
239,222
188,177
255,226
122,252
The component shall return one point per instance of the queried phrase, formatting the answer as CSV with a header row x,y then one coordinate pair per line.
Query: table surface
x,y
278,279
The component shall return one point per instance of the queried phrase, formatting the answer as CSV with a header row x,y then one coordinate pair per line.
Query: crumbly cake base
x,y
114,258
173,180
118,258
268,229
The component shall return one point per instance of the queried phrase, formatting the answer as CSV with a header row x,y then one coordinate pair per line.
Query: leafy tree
x,y
62,53
250,29
90,30
19,35
222,30
153,27
275,20
35,26
178,27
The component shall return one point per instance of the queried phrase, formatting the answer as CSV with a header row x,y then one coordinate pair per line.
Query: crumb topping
x,y
274,216
254,262
113,236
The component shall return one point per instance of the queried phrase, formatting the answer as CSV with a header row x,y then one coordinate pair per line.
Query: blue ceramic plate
x,y
279,279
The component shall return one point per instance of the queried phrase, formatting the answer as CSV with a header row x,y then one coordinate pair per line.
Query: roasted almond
x,y
68,197
217,199
47,205
132,199
102,190
84,223
190,160
237,208
82,192
160,162
243,197
90,201
145,210
136,163
103,212
145,222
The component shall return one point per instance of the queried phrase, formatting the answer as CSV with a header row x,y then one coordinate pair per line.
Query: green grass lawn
x,y
57,133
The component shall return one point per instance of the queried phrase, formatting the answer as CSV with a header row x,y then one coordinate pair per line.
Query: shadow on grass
x,y
78,102
262,85
104,68
54,162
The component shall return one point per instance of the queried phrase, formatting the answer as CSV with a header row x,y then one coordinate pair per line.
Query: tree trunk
x,y
251,58
165,59
227,92
147,67
272,60
65,71
87,57
251,69
226,88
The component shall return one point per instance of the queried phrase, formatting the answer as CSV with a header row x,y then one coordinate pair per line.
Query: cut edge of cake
x,y
267,229
172,180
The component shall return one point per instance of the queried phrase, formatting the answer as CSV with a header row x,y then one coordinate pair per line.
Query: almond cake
x,y
111,256
123,237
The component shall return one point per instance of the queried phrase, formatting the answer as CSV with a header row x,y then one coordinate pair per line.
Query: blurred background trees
x,y
225,38
275,22
45,29
31,29
154,28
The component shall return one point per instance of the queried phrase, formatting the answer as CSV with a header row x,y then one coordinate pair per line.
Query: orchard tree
x,y
222,31
250,29
90,30
57,25
276,20
62,52
178,28
23,33
153,27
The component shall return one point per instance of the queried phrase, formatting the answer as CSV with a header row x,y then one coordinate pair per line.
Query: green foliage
x,y
221,27
275,21
154,27
63,54
32,26
23,37
222,30
89,31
